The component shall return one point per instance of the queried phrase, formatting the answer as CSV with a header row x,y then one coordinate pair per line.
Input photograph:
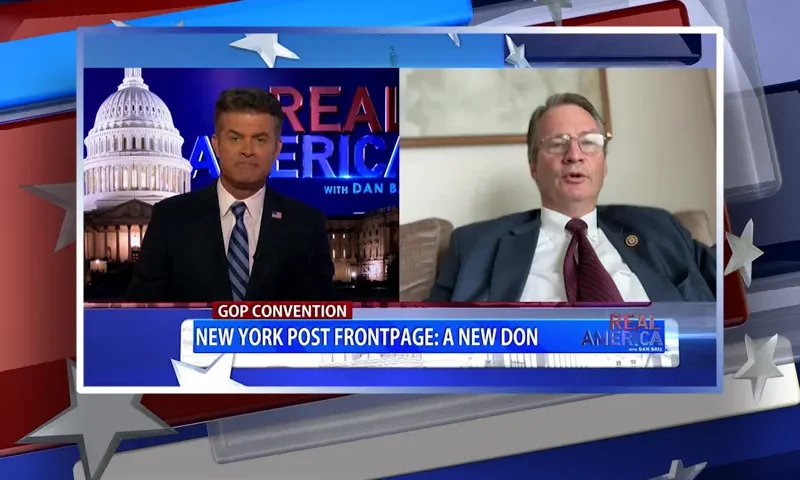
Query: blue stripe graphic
x,y
45,67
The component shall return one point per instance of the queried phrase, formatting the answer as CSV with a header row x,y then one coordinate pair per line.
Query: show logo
x,y
351,151
633,333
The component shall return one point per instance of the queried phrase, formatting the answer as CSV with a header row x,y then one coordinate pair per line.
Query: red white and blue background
x,y
748,431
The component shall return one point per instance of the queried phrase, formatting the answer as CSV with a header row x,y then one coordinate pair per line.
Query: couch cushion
x,y
422,246
698,225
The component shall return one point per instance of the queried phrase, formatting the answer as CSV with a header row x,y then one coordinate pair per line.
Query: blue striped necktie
x,y
239,254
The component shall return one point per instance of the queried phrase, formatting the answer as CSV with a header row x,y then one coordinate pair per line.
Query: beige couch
x,y
424,243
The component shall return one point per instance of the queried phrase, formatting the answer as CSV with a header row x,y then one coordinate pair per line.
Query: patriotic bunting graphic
x,y
736,417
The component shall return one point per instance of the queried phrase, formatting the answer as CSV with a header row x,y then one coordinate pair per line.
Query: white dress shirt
x,y
252,217
546,277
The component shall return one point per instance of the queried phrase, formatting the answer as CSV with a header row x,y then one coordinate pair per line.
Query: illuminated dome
x,y
134,150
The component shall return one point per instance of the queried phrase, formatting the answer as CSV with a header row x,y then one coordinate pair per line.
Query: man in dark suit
x,y
570,250
236,239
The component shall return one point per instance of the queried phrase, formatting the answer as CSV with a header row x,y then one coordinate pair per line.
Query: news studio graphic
x,y
63,196
735,306
765,188
147,138
555,8
524,50
677,471
20,406
743,253
335,348
455,39
665,13
620,341
493,8
772,301
267,47
739,255
760,365
118,23
98,425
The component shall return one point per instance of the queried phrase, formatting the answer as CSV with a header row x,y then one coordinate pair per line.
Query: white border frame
x,y
720,236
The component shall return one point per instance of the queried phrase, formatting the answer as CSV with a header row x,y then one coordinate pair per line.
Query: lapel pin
x,y
277,215
631,240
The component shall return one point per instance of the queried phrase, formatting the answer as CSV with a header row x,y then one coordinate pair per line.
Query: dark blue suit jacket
x,y
183,256
490,261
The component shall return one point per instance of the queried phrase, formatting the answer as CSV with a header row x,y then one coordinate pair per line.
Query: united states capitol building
x,y
133,160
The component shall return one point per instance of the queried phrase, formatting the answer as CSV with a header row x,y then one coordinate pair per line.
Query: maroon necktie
x,y
585,277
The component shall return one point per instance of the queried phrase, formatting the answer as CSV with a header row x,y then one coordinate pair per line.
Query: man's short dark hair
x,y
249,100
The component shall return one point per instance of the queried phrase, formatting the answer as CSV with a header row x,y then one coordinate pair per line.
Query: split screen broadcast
x,y
401,226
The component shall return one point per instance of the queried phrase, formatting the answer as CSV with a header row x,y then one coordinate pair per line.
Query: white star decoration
x,y
61,195
266,45
216,377
554,7
454,37
743,253
97,424
760,365
516,54
118,23
678,472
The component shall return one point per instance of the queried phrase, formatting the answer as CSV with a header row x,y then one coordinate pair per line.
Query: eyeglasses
x,y
590,143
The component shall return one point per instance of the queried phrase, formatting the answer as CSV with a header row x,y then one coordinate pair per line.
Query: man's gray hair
x,y
552,102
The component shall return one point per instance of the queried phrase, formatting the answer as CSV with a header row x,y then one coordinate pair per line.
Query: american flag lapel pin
x,y
277,215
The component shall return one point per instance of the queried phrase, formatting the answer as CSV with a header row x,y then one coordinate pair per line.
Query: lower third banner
x,y
664,347
642,334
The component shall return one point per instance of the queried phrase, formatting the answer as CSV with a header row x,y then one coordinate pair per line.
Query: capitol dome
x,y
133,152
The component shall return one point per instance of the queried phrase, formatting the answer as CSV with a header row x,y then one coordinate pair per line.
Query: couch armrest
x,y
696,221
422,245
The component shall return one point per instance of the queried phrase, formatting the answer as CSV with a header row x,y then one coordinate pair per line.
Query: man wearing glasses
x,y
571,250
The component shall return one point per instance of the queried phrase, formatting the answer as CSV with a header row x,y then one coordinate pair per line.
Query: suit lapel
x,y
269,248
512,263
658,288
211,226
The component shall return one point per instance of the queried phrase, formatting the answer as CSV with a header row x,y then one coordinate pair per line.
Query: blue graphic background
x,y
777,231
134,348
45,67
316,48
605,51
483,336
190,94
755,446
